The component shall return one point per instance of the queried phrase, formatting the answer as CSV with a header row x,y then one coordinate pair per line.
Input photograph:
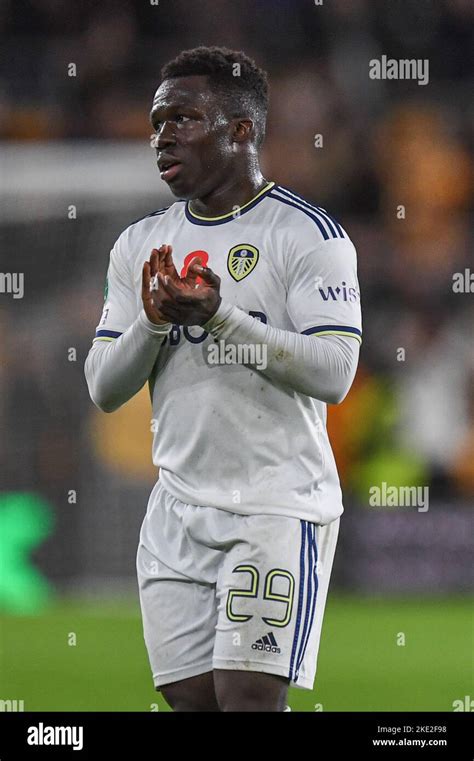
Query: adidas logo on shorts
x,y
267,643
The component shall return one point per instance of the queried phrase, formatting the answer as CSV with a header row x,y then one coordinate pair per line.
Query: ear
x,y
243,130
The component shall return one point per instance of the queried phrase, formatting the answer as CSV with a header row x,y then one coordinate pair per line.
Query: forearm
x,y
322,367
116,370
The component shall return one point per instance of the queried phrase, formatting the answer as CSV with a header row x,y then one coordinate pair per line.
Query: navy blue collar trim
x,y
231,216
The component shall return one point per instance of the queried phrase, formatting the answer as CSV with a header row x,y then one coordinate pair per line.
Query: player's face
x,y
193,132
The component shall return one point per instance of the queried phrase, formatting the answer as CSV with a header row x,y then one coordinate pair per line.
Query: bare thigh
x,y
250,690
196,693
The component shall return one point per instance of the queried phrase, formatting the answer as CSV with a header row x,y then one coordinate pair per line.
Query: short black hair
x,y
233,76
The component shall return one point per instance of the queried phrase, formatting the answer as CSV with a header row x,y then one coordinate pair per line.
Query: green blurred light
x,y
394,467
26,520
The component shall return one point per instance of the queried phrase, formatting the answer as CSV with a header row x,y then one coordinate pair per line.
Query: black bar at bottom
x,y
146,735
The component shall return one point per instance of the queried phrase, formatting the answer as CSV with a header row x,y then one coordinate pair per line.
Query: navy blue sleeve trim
x,y
107,333
333,329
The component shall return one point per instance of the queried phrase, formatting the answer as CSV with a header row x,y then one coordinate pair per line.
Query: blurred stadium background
x,y
76,169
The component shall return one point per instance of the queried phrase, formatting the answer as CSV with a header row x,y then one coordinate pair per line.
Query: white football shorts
x,y
219,590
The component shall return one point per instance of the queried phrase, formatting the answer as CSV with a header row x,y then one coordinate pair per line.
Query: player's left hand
x,y
184,301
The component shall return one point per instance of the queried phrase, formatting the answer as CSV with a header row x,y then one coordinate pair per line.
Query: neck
x,y
235,191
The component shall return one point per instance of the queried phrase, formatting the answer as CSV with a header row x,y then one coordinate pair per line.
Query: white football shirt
x,y
224,434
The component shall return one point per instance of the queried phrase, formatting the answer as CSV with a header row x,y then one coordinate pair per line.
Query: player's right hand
x,y
149,277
